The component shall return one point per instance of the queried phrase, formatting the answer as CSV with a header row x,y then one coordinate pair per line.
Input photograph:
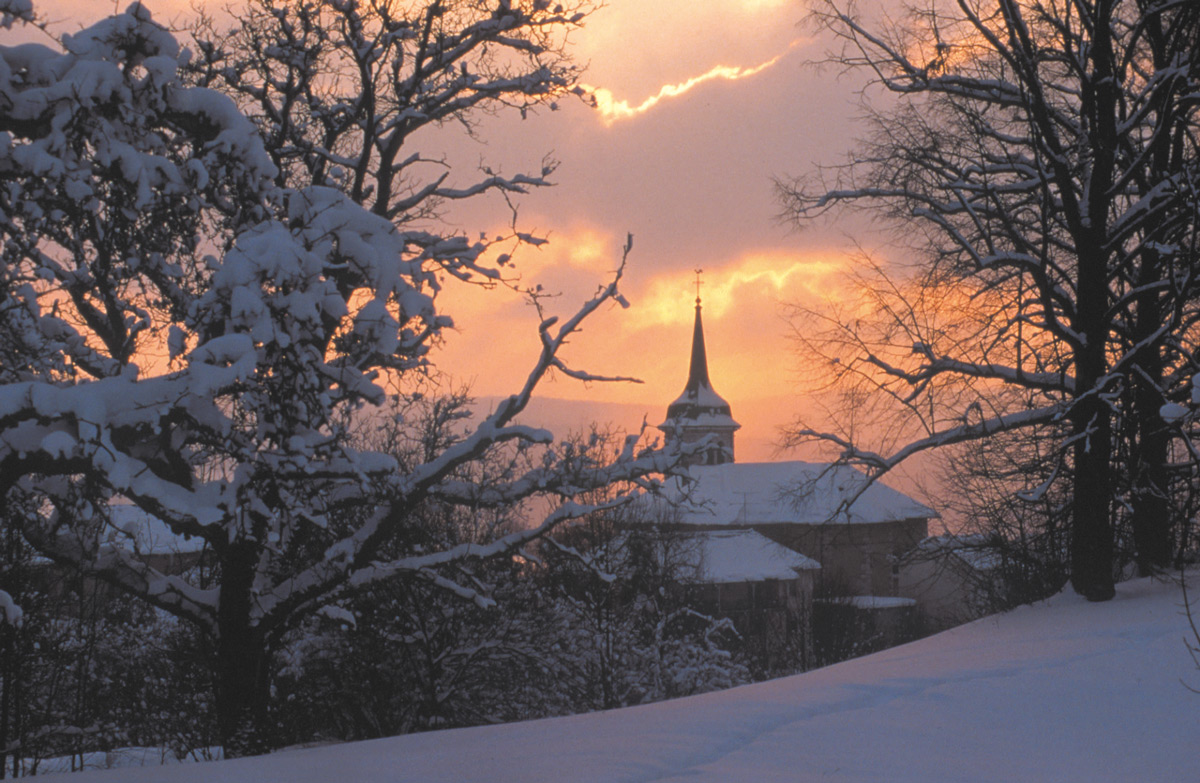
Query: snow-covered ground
x,y
1060,691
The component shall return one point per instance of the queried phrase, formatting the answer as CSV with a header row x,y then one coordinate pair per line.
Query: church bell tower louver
x,y
700,412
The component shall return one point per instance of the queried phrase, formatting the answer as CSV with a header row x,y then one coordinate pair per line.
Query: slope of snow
x,y
1063,691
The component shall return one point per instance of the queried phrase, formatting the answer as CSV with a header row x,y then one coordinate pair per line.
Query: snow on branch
x,y
505,545
118,566
349,560
10,612
879,464
15,10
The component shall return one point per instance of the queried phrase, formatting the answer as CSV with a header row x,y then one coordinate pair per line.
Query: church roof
x,y
699,404
719,556
730,556
762,493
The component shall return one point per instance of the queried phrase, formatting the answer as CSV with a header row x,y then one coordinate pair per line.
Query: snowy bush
x,y
619,628
93,671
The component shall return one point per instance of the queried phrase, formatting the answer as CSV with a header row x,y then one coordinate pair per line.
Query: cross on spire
x,y
699,283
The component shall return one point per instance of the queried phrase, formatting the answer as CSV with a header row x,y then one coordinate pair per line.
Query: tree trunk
x,y
1092,419
1151,513
1091,528
243,693
1151,517
1091,415
9,675
1150,508
12,653
243,662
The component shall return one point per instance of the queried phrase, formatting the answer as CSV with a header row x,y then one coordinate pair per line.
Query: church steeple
x,y
700,412
698,371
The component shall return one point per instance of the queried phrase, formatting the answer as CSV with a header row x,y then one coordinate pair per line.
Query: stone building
x,y
831,513
764,588
812,509
855,529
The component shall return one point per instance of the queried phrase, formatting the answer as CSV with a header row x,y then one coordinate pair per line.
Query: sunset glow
x,y
694,187
758,277
613,109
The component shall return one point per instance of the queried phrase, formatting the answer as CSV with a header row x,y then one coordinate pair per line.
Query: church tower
x,y
700,412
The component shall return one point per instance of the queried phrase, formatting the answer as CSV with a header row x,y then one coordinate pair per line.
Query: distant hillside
x,y
756,441
561,415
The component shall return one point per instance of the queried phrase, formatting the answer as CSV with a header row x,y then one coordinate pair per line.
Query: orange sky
x,y
701,105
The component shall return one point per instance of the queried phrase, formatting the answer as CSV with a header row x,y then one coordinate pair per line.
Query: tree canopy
x,y
1043,159
201,291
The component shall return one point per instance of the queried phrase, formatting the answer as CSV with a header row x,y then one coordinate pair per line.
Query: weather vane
x,y
698,284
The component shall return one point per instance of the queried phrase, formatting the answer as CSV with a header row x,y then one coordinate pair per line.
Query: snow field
x,y
1061,691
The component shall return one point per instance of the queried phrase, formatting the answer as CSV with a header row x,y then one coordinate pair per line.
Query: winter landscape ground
x,y
1059,691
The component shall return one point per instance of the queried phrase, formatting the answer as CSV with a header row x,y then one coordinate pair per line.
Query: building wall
x,y
947,589
718,453
773,616
842,630
729,598
854,558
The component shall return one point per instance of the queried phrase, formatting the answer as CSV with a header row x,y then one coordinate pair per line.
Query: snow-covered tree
x,y
339,88
406,656
618,614
403,654
189,327
1042,158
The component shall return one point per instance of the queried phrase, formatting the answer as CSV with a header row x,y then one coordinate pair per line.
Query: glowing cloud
x,y
611,109
757,278
760,5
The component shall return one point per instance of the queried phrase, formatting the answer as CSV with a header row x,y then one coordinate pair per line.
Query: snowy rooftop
x,y
973,550
752,493
701,420
871,601
701,396
1065,691
728,556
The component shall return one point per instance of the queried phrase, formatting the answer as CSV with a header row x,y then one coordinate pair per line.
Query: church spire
x,y
698,371
700,412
